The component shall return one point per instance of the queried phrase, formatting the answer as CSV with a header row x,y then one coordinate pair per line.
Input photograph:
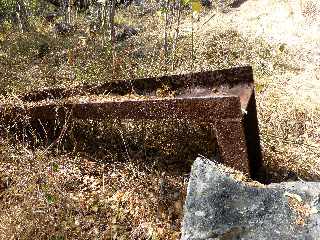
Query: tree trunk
x,y
65,6
192,43
176,36
69,12
22,16
111,20
112,31
165,41
103,14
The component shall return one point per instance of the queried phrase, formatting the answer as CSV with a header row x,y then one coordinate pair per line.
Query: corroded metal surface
x,y
225,99
212,82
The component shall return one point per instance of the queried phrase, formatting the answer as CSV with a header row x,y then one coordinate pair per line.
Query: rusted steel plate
x,y
202,109
223,112
212,81
207,109
232,145
225,99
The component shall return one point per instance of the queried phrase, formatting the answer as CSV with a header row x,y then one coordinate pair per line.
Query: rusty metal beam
x,y
225,99
210,80
202,109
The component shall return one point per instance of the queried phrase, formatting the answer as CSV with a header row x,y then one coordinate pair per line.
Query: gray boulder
x,y
223,204
125,33
62,28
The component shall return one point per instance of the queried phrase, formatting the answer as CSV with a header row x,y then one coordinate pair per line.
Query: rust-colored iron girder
x,y
204,84
222,98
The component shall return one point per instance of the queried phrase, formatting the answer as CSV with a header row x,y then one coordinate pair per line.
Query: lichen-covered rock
x,y
223,204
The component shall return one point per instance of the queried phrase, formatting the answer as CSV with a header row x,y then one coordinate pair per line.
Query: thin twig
x,y
112,32
208,19
103,188
45,132
176,37
124,143
165,42
62,133
192,43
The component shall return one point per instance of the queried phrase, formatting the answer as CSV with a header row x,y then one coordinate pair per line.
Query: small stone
x,y
62,28
126,33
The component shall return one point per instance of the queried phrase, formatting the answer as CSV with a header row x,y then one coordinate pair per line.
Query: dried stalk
x,y
165,41
176,37
112,30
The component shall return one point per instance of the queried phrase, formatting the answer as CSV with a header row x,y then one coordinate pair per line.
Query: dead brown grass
x,y
262,35
72,197
45,195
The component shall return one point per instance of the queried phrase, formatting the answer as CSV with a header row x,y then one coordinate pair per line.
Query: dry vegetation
x,y
90,192
71,197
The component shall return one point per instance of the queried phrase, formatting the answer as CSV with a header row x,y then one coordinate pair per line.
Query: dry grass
x,y
106,180
283,52
87,196
68,197
50,195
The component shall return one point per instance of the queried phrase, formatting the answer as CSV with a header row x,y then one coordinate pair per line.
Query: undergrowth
x,y
72,197
85,191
